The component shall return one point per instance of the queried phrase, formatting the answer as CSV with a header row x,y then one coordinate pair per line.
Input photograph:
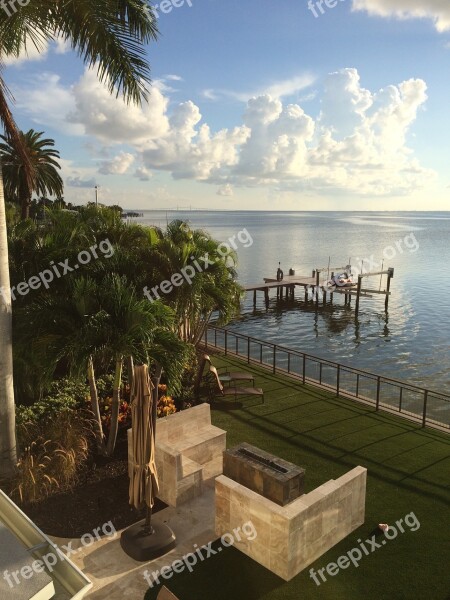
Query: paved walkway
x,y
116,576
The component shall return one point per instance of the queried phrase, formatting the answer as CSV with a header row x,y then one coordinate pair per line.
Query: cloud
x,y
358,144
173,78
143,174
37,51
118,165
436,10
62,46
110,119
210,94
278,89
225,190
77,182
47,102
29,53
189,150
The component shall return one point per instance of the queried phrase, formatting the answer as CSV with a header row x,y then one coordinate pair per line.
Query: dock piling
x,y
313,288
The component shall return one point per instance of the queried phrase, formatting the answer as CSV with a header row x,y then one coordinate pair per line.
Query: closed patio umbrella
x,y
144,479
144,540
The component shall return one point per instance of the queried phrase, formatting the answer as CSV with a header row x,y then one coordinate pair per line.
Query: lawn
x,y
408,471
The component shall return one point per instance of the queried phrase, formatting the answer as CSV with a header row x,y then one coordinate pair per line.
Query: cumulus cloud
x,y
358,143
225,190
117,165
190,150
110,119
437,10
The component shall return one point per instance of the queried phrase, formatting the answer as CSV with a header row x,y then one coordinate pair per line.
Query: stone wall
x,y
188,453
291,537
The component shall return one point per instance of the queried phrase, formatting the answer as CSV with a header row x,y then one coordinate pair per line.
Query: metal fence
x,y
430,408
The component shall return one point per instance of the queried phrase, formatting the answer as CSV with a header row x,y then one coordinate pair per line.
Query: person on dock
x,y
280,273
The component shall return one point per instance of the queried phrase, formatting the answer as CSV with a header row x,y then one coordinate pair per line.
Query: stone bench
x,y
291,537
189,452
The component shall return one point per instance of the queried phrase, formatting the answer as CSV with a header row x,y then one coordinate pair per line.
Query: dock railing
x,y
428,407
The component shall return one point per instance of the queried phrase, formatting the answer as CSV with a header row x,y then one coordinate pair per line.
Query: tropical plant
x,y
64,394
166,405
109,36
96,326
42,156
213,288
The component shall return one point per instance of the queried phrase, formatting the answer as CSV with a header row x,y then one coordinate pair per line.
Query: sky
x,y
259,105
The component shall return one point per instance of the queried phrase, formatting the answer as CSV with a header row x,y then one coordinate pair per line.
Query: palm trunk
x,y
130,371
99,437
200,330
199,376
115,408
156,378
8,449
25,211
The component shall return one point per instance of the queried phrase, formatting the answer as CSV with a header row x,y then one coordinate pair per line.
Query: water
x,y
411,342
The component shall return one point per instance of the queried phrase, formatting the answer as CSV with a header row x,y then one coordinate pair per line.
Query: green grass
x,y
408,471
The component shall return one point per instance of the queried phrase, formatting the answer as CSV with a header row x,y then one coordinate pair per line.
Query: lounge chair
x,y
227,376
233,391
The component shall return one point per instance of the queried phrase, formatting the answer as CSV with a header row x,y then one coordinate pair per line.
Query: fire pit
x,y
270,476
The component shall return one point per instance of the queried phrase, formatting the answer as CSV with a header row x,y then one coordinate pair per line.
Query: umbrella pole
x,y
155,397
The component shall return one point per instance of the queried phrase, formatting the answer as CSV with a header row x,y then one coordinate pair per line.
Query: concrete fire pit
x,y
270,476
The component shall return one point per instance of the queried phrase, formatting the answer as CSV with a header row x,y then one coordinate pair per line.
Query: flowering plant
x,y
166,405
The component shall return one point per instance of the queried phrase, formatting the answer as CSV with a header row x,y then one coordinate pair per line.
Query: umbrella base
x,y
137,542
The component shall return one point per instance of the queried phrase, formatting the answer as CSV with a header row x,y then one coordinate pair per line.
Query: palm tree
x,y
109,36
99,324
213,288
42,156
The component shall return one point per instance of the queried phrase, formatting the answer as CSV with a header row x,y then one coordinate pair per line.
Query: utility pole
x,y
96,195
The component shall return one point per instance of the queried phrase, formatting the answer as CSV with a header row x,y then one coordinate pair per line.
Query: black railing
x,y
430,408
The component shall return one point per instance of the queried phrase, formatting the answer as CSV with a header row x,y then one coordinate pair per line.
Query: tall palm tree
x,y
109,35
42,156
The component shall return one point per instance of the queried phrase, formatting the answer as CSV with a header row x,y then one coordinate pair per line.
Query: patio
x,y
407,473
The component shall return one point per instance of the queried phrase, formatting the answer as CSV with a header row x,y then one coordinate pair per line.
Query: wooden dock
x,y
313,288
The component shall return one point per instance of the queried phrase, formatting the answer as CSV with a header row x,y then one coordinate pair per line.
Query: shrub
x,y
55,451
64,394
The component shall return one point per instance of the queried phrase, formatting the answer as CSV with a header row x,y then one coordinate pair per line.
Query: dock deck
x,y
313,285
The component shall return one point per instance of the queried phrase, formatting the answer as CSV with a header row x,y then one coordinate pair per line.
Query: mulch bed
x,y
100,496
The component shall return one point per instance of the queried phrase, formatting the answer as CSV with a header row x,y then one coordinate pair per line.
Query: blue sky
x,y
260,105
